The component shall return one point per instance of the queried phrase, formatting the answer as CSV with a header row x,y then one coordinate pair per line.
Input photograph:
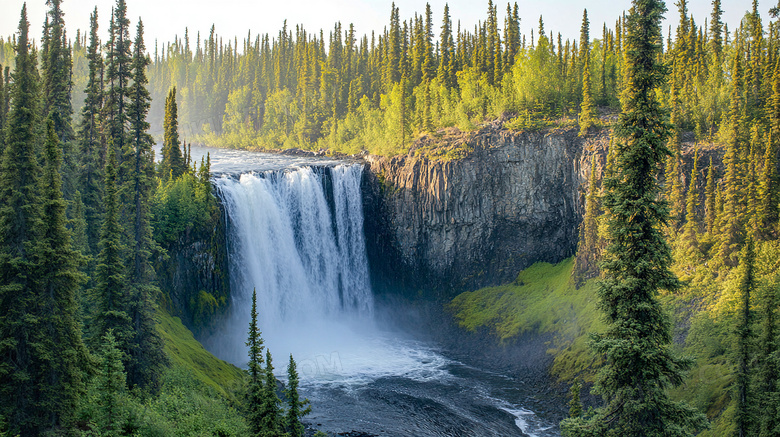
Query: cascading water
x,y
297,238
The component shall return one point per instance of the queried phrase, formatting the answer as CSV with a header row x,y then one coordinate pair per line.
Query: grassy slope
x,y
187,353
542,299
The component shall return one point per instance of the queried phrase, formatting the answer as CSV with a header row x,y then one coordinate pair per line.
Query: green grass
x,y
542,299
187,353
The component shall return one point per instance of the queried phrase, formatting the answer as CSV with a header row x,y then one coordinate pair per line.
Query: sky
x,y
164,19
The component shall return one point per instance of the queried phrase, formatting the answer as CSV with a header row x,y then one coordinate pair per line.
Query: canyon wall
x,y
466,210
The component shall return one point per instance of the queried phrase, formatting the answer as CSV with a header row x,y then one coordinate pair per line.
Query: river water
x,y
295,235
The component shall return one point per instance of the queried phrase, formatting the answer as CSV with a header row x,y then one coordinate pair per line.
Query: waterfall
x,y
296,237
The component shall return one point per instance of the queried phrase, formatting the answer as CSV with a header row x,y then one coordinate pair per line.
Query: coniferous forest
x,y
684,265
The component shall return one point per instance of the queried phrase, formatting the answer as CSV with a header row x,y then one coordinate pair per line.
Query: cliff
x,y
466,210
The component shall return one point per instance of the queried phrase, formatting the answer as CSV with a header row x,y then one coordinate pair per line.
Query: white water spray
x,y
305,256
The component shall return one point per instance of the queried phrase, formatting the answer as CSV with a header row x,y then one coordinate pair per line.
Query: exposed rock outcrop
x,y
468,210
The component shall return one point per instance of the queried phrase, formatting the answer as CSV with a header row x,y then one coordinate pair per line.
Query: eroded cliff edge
x,y
466,210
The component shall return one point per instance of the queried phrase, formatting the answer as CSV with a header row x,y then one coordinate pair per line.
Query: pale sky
x,y
163,19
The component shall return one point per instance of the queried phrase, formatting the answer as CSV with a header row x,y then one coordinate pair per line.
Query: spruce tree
x,y
112,386
586,108
89,136
255,391
3,111
743,415
111,290
59,336
731,220
639,364
172,163
575,406
589,247
20,226
57,73
710,207
768,193
767,360
118,77
147,357
270,412
296,408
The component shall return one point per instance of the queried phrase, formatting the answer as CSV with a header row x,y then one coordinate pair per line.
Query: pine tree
x,y
731,219
3,110
445,72
575,406
118,78
147,357
768,193
56,73
743,417
255,390
639,364
172,163
589,248
710,209
111,386
89,135
296,408
586,108
111,291
270,412
59,336
20,225
767,359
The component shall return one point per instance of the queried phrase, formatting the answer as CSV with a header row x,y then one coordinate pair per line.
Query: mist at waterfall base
x,y
296,236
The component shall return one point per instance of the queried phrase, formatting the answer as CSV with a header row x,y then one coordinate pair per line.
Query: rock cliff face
x,y
505,201
194,274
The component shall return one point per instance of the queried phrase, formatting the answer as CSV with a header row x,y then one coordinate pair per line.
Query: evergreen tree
x,y
59,336
446,70
575,406
710,209
118,77
768,193
270,412
296,408
172,163
639,364
743,417
20,226
255,391
731,219
147,357
89,135
589,248
57,72
767,359
111,386
586,108
111,290
3,110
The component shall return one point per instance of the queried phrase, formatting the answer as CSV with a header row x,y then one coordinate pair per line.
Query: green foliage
x,y
296,408
542,299
639,364
172,165
179,205
190,402
186,353
255,385
20,229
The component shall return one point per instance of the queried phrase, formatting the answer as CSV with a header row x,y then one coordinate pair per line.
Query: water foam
x,y
296,236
